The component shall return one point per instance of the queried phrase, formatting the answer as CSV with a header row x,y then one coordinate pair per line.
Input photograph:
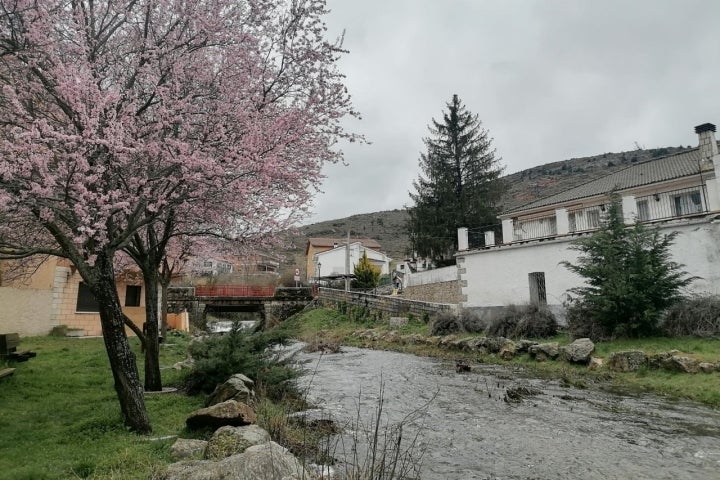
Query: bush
x,y
466,321
694,317
471,322
582,325
444,323
526,321
219,357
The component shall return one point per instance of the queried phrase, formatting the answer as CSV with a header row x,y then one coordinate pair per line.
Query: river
x,y
465,428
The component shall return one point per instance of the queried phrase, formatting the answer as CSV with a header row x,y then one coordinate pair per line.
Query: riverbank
x,y
325,329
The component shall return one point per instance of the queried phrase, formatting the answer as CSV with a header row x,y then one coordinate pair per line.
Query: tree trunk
x,y
122,360
164,308
153,380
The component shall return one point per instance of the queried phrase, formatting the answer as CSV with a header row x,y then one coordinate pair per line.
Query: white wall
x,y
438,275
499,276
333,261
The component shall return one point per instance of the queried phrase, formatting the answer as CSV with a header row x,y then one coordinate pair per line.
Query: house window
x,y
207,263
538,293
132,295
86,300
643,211
572,220
687,203
593,219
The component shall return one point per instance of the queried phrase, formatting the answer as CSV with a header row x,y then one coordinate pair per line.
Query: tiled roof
x,y
652,171
330,242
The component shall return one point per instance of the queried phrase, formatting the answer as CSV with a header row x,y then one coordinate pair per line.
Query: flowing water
x,y
467,430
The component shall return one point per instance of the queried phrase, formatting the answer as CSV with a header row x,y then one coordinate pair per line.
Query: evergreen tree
x,y
367,275
459,186
630,279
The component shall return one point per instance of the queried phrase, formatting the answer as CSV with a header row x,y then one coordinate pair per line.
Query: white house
x,y
679,192
331,263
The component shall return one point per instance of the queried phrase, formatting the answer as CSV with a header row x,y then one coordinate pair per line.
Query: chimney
x,y
706,139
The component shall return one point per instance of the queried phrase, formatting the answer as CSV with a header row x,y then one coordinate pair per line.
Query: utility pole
x,y
347,263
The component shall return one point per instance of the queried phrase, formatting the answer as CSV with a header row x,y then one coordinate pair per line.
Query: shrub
x,y
581,323
471,322
444,323
219,357
695,317
526,321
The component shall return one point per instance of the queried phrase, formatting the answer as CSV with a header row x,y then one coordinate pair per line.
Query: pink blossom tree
x,y
116,116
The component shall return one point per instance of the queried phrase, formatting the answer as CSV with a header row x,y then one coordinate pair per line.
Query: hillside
x,y
388,227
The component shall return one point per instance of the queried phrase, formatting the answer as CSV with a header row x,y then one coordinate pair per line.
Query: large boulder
x,y
595,363
496,344
579,351
545,351
227,441
238,387
679,363
188,448
627,361
507,352
230,412
523,346
268,461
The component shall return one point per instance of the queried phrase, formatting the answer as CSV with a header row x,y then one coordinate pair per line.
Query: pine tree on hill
x,y
459,186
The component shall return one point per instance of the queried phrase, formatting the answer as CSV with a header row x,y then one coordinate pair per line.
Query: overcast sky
x,y
549,79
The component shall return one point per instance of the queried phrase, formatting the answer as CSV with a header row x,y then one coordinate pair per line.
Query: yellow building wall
x,y
26,302
89,322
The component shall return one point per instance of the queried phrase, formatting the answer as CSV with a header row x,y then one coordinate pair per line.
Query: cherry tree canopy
x,y
117,114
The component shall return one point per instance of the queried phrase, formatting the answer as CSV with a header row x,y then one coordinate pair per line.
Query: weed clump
x,y
524,321
444,323
693,317
466,321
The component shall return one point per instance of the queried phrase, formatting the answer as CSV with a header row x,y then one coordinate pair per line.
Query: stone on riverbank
x,y
227,441
268,461
230,412
627,361
238,387
187,448
545,351
579,351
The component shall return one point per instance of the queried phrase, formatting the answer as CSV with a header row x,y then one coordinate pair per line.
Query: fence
x,y
234,291
538,227
383,304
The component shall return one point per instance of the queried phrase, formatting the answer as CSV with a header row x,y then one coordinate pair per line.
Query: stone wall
x,y
443,292
385,305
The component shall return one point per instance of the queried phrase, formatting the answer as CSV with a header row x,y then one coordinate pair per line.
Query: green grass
x,y
60,417
701,387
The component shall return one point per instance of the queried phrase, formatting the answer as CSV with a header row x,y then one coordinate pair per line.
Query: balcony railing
x,y
539,227
585,219
672,204
234,291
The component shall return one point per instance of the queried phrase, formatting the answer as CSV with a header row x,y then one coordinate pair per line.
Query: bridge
x,y
273,304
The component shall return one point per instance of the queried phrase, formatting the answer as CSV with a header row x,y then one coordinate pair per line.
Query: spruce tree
x,y
630,279
367,275
459,186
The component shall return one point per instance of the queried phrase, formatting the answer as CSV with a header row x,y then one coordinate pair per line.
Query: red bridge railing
x,y
234,291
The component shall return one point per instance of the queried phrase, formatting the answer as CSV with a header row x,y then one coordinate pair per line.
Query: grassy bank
x,y
329,326
60,418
